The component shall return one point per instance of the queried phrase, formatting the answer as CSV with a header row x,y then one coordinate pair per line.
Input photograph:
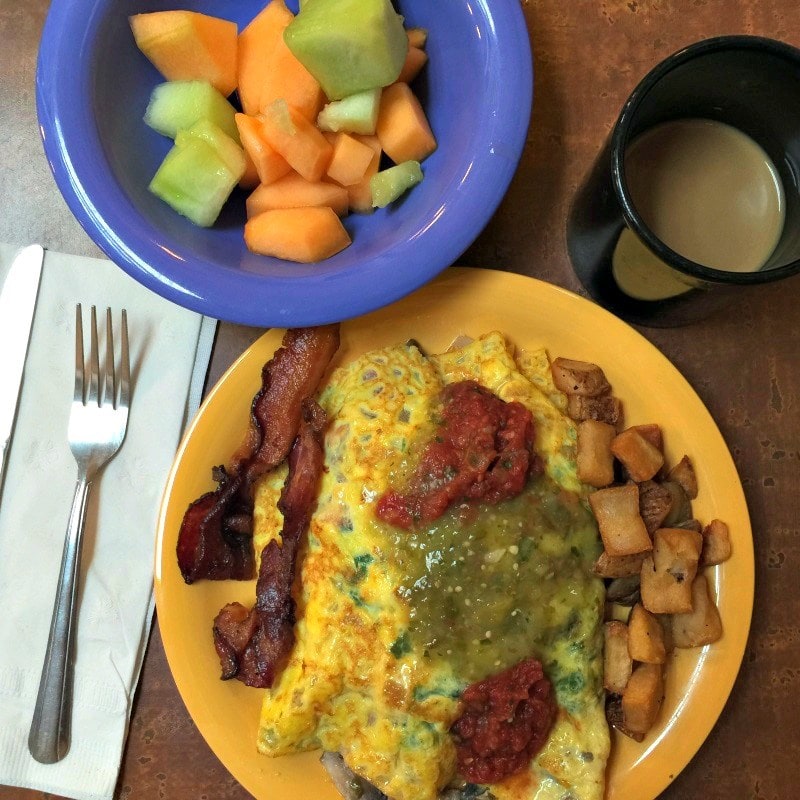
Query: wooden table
x,y
744,364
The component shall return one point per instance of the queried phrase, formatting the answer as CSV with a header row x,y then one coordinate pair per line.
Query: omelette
x,y
393,625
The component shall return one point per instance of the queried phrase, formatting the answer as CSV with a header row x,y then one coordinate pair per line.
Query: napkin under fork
x,y
169,347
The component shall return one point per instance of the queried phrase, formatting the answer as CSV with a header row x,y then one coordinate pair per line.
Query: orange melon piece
x,y
403,129
290,80
350,160
360,194
189,46
416,58
289,133
296,234
250,178
257,42
417,37
294,191
268,164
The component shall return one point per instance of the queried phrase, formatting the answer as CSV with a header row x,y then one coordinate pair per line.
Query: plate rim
x,y
482,280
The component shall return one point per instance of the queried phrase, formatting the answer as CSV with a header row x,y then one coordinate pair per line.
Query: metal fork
x,y
97,423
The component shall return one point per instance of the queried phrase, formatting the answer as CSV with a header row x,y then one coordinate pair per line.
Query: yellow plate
x,y
532,314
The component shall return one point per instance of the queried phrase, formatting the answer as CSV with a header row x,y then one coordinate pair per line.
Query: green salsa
x,y
490,585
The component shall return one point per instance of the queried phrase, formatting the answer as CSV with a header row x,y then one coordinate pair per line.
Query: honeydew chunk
x,y
388,184
177,105
187,45
225,147
194,180
349,45
357,113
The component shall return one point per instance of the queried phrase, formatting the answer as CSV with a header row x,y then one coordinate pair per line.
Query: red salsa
x,y
482,450
506,721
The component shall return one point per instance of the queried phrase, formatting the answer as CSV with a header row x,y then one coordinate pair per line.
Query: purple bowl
x,y
92,87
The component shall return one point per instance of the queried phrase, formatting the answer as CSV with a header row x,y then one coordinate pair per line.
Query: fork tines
x,y
116,386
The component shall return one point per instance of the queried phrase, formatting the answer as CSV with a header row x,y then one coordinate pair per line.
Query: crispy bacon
x,y
252,645
215,539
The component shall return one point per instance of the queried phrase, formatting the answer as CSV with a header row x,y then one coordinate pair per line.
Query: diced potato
x,y
667,576
616,510
665,621
652,432
616,718
638,456
617,663
683,473
608,566
604,409
579,377
700,626
645,637
642,698
655,502
716,543
595,461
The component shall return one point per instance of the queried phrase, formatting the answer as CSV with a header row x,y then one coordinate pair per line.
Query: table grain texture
x,y
744,364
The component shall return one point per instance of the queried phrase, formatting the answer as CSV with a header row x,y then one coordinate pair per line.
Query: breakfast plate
x,y
531,314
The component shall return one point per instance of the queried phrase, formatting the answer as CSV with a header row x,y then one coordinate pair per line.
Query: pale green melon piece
x,y
357,113
177,105
348,45
388,184
225,147
194,180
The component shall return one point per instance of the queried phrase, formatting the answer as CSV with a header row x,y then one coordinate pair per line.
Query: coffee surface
x,y
708,191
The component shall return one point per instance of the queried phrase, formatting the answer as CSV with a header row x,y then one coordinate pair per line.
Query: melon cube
x,y
402,127
187,45
269,165
357,113
350,160
296,234
294,191
177,105
388,184
225,147
360,194
194,180
349,45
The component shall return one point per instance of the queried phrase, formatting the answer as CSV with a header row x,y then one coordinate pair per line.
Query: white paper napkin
x,y
115,600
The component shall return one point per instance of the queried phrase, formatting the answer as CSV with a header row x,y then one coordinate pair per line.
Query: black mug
x,y
747,82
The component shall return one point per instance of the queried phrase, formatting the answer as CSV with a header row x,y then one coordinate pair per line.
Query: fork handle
x,y
49,737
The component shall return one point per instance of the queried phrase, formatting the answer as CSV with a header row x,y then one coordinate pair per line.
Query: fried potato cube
x,y
652,432
615,717
642,698
655,502
716,543
645,637
595,460
579,377
616,510
702,625
683,474
617,663
608,566
604,409
667,575
637,455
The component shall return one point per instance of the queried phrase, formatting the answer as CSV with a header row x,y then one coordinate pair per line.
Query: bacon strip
x,y
252,645
215,539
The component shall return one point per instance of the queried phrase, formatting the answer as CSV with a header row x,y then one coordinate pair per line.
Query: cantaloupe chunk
x,y
296,234
189,46
269,165
416,58
403,128
289,133
417,37
250,178
350,160
294,191
257,43
360,194
290,80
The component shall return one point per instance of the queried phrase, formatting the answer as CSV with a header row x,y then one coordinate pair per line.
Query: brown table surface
x,y
744,364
